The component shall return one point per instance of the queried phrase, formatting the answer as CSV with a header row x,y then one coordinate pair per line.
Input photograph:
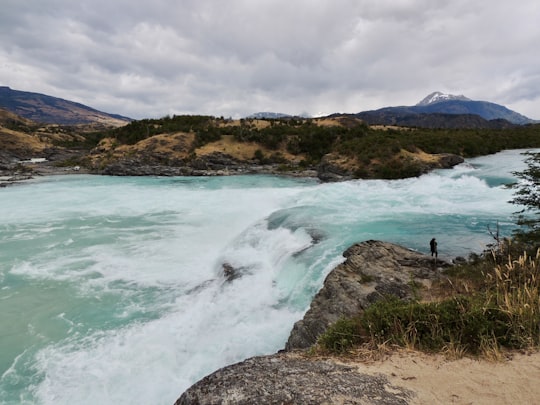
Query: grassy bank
x,y
483,308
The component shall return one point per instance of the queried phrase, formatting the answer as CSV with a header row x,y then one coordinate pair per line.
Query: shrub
x,y
258,155
341,336
205,136
459,322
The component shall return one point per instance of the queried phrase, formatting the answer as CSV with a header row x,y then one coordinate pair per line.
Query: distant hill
x,y
15,122
439,110
52,110
448,104
268,115
408,117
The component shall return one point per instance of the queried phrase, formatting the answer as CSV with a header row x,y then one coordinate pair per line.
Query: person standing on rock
x,y
433,247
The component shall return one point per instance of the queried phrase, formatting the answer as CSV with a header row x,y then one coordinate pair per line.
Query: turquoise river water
x,y
112,288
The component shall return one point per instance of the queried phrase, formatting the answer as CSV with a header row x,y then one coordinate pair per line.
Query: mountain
x,y
449,104
268,115
437,97
407,117
52,110
440,110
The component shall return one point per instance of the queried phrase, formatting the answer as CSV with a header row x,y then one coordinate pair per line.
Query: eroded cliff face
x,y
371,270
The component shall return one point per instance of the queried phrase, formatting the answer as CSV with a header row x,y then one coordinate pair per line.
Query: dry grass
x,y
239,150
257,124
327,122
515,290
179,145
388,127
14,140
364,353
171,145
420,156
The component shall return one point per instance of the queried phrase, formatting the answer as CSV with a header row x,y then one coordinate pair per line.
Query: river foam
x,y
115,289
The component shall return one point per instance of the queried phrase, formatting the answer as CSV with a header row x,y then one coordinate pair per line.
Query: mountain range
x,y
268,115
53,110
437,110
440,110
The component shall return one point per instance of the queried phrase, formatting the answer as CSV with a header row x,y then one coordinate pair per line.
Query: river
x,y
112,289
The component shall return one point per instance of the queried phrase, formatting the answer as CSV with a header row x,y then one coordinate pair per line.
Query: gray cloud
x,y
149,59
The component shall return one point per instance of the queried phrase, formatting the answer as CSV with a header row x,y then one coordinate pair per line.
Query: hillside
x,y
22,140
52,110
410,117
330,148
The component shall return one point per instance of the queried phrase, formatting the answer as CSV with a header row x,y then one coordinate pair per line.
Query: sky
x,y
232,58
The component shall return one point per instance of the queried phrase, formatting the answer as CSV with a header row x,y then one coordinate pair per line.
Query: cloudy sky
x,y
236,57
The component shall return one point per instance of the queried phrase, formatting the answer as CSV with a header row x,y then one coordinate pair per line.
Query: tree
x,y
528,196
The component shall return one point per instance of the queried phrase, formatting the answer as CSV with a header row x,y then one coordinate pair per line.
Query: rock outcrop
x,y
371,271
334,167
448,160
213,164
285,379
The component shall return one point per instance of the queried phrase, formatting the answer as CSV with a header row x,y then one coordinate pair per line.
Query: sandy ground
x,y
437,380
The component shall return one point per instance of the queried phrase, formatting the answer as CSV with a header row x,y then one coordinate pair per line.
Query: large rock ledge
x,y
371,270
287,379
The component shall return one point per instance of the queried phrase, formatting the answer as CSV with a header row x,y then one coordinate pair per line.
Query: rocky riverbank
x,y
295,375
13,170
213,164
371,270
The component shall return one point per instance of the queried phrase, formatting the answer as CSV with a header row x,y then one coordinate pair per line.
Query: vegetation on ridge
x,y
343,143
370,152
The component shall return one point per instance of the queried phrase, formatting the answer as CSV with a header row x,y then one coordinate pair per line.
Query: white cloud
x,y
233,58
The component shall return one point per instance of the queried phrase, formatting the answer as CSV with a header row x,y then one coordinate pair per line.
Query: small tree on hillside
x,y
528,195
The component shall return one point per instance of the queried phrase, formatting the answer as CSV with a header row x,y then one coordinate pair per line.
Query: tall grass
x,y
514,288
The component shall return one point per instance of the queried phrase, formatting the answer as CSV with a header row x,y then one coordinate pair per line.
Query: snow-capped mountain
x,y
273,115
440,110
437,97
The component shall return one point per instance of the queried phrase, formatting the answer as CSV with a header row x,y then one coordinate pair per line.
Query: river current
x,y
112,289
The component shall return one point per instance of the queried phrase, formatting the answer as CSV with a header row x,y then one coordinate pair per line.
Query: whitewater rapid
x,y
113,289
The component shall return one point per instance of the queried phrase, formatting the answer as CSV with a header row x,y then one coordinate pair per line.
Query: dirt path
x,y
437,380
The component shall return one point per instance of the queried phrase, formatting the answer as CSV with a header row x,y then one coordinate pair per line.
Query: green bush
x,y
205,136
259,155
341,336
464,322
